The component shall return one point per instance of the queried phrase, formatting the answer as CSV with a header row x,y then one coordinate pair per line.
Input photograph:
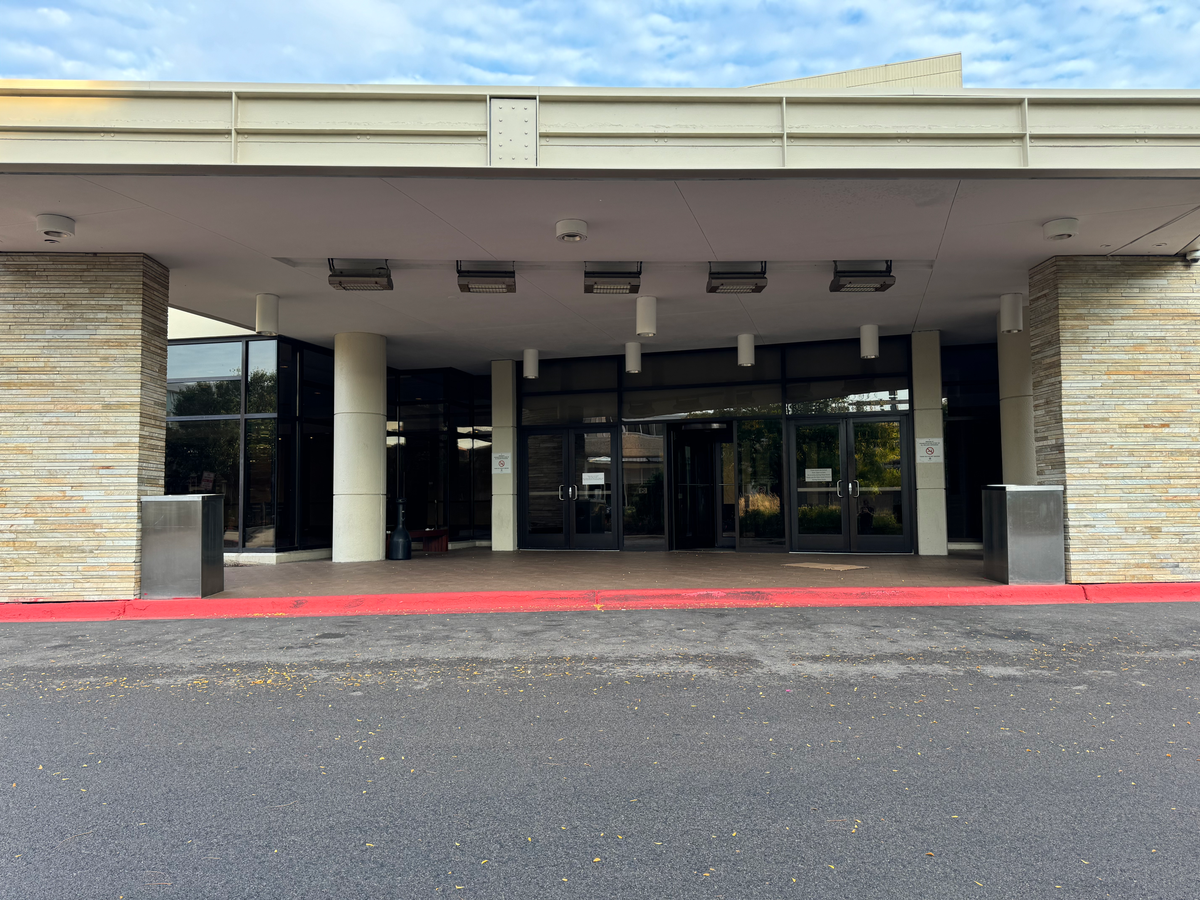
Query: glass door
x,y
567,490
852,486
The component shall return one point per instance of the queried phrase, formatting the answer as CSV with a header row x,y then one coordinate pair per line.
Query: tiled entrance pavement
x,y
479,569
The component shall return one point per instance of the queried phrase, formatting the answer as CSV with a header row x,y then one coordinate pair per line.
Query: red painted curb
x,y
451,603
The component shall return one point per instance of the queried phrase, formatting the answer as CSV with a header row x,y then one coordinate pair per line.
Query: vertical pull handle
x,y
572,493
857,488
839,487
560,493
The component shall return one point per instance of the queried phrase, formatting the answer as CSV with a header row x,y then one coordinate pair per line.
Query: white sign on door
x,y
929,450
818,474
593,478
501,463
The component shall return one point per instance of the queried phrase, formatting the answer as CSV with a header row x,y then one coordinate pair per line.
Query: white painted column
x,y
359,446
1016,406
504,440
927,426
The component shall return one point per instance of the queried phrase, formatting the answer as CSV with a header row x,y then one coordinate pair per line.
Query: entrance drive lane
x,y
693,753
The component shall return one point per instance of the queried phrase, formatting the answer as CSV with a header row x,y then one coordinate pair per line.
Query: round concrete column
x,y
359,446
1016,407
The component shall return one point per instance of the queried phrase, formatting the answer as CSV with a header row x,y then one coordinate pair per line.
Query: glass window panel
x,y
426,387
878,506
288,373
423,463
262,384
422,417
850,395
202,361
702,403
818,472
544,477
316,483
562,409
316,392
259,509
826,359
202,458
593,472
204,398
285,482
703,367
644,499
760,495
590,374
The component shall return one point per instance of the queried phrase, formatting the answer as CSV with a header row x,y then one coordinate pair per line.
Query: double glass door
x,y
852,485
567,489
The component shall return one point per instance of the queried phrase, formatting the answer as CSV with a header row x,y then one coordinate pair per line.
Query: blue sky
x,y
677,43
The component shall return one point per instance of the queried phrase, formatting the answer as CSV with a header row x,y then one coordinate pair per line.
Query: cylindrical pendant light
x,y
633,357
266,314
868,341
1011,313
531,364
745,349
647,316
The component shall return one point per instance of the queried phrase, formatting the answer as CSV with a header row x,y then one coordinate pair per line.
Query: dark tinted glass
x,y
425,387
592,374
849,395
316,483
702,403
563,409
423,476
285,486
832,358
703,367
643,496
204,398
288,372
422,417
203,361
259,510
202,458
760,485
262,384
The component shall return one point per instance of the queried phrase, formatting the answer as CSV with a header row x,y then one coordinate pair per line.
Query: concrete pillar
x,y
359,446
927,427
505,415
83,394
1016,407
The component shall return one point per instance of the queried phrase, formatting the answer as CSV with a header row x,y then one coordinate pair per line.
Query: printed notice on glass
x,y
818,474
929,450
501,463
593,478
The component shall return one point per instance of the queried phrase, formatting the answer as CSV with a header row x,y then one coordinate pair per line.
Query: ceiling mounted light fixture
x,y
861,276
54,229
486,277
1011,313
359,275
571,231
745,350
266,314
868,341
529,366
1060,229
633,357
737,278
647,316
612,277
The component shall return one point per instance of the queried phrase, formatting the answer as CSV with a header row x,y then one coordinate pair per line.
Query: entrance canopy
x,y
245,189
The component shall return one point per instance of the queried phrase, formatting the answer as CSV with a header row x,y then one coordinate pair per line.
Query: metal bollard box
x,y
183,546
1023,534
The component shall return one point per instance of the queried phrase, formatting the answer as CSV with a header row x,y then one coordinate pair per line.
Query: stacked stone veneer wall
x,y
83,351
1116,389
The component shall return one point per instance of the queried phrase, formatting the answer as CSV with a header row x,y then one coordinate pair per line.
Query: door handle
x,y
839,487
857,488
572,492
560,493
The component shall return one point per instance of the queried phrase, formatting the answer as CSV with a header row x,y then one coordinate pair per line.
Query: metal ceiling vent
x,y
486,277
861,276
612,277
737,277
359,275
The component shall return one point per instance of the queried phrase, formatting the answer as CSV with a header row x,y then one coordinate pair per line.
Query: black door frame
x,y
849,541
673,433
568,540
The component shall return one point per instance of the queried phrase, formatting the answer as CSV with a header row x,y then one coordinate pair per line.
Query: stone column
x,y
1016,407
83,392
505,415
927,424
359,446
1116,411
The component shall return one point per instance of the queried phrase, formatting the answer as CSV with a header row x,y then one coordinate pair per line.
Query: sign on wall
x,y
818,474
929,450
593,478
501,463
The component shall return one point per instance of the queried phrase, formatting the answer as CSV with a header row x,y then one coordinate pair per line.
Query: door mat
x,y
829,567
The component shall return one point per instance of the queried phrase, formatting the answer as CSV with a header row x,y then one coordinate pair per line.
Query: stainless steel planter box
x,y
1023,533
183,546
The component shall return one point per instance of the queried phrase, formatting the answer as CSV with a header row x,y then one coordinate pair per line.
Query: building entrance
x,y
853,487
703,491
567,494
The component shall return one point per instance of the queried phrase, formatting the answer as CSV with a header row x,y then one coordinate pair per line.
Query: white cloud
x,y
676,43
